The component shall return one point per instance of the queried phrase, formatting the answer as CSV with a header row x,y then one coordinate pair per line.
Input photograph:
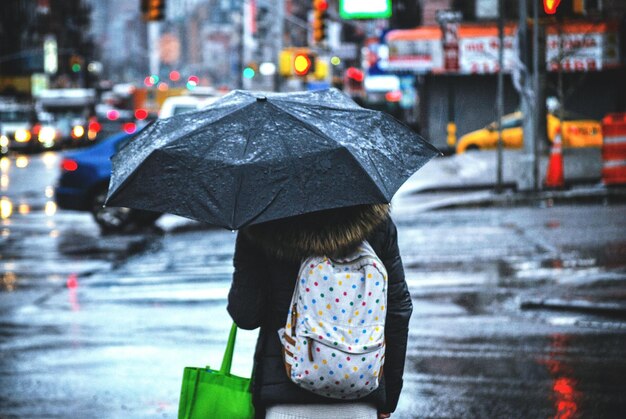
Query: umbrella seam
x,y
358,162
307,124
239,177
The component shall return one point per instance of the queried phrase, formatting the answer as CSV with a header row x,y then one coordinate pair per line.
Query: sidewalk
x,y
469,179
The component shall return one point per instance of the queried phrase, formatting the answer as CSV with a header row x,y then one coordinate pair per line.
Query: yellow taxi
x,y
576,133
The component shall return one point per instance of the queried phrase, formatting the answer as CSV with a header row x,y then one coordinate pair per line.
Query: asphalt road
x,y
101,326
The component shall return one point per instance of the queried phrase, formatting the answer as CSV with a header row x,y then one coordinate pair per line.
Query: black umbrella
x,y
253,157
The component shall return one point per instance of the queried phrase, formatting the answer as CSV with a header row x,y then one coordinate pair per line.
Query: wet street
x,y
95,326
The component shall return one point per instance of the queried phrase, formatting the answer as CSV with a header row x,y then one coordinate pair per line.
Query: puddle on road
x,y
596,275
79,243
529,373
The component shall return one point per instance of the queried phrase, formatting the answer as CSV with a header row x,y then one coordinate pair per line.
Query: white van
x,y
175,105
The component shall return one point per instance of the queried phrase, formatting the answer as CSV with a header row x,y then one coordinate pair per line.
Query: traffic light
x,y
76,63
250,70
153,10
320,16
549,6
302,64
264,21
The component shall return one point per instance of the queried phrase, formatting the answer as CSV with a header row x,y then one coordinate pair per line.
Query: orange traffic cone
x,y
554,175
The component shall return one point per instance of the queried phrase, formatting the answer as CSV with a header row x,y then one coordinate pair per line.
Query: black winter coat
x,y
267,261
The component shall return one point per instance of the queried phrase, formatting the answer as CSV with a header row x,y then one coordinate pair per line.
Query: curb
x,y
489,198
578,306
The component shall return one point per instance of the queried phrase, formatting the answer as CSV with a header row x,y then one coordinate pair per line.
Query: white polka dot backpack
x,y
334,337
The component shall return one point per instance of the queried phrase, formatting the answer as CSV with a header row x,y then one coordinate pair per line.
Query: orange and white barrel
x,y
614,149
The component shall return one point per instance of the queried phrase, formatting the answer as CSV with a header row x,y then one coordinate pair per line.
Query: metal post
x,y
525,177
278,41
500,93
539,105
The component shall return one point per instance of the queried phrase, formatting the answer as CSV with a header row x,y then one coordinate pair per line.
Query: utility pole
x,y
500,93
526,177
153,47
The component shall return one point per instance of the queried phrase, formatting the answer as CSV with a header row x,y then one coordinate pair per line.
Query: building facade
x,y
454,63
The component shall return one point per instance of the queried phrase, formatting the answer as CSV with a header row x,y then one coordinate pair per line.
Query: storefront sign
x,y
573,46
415,50
478,49
582,47
50,55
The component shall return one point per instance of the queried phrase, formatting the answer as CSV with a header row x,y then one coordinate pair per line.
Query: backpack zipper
x,y
310,348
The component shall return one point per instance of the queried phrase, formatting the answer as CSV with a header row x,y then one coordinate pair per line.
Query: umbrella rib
x,y
380,176
204,126
338,121
314,128
305,124
358,162
251,220
239,178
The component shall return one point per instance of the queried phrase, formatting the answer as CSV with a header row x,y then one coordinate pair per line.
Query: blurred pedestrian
x,y
267,262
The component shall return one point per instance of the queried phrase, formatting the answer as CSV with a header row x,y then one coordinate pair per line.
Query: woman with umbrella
x,y
299,174
267,260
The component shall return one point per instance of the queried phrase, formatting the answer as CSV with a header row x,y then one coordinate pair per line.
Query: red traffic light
x,y
301,64
550,6
321,5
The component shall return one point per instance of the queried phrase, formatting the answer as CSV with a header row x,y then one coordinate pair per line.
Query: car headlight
x,y
78,131
4,141
22,135
46,135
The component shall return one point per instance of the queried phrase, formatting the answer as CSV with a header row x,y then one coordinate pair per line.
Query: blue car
x,y
84,183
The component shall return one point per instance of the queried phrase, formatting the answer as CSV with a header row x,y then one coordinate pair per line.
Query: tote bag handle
x,y
227,361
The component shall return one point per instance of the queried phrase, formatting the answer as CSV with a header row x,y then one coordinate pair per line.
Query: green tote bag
x,y
208,393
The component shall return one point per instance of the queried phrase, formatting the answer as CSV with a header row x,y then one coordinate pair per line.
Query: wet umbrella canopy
x,y
253,157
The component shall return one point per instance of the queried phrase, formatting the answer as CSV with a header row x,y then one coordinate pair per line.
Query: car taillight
x,y
95,126
36,129
129,127
393,96
69,165
141,114
113,114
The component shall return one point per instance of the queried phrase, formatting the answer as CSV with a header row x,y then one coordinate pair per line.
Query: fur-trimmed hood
x,y
331,233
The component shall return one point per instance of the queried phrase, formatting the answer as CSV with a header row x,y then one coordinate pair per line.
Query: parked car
x,y
84,182
69,112
577,132
175,105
